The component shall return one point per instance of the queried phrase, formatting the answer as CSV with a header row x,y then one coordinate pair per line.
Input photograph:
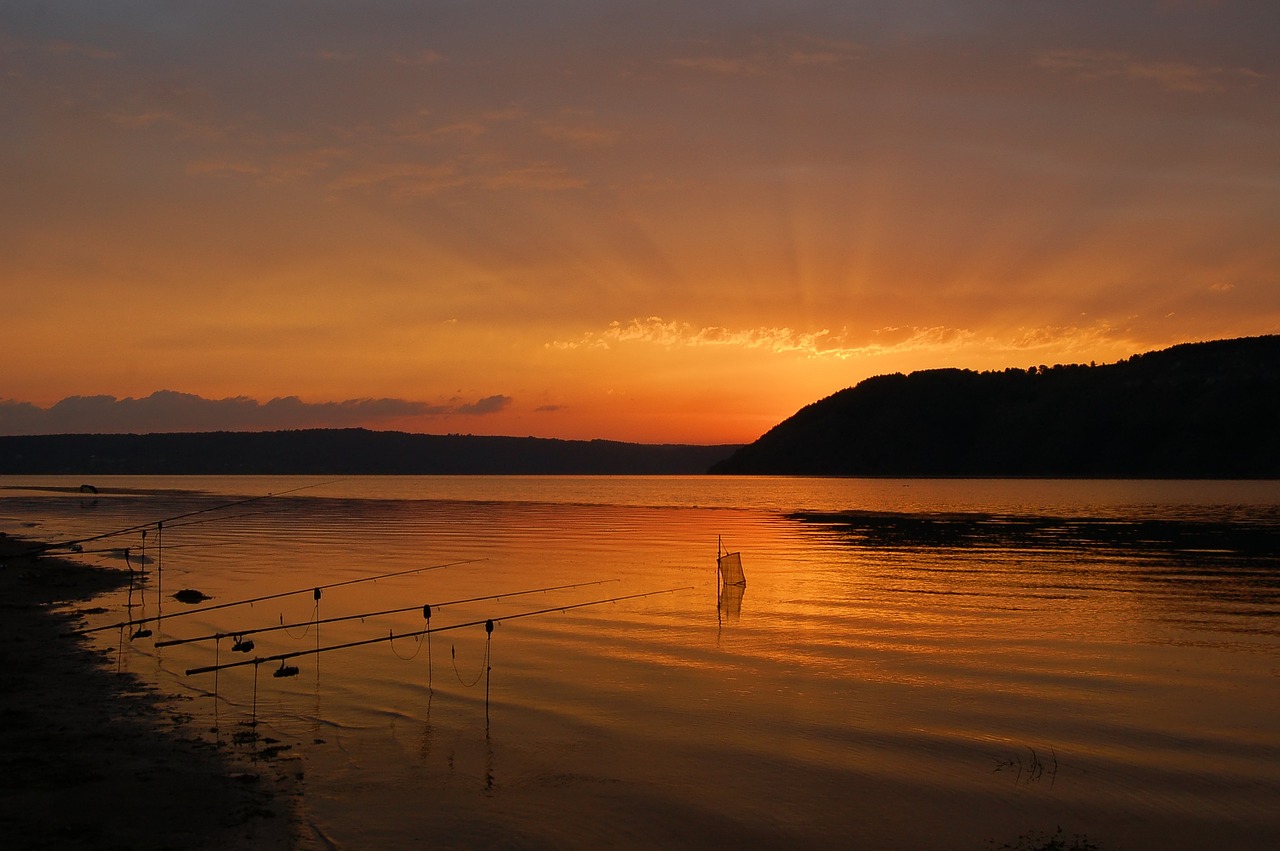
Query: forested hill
x,y
1200,410
342,452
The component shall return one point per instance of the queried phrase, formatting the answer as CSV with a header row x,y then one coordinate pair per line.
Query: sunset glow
x,y
659,222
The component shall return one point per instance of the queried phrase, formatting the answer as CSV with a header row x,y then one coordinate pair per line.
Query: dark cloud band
x,y
170,411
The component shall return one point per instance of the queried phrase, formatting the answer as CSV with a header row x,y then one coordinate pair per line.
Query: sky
x,y
663,222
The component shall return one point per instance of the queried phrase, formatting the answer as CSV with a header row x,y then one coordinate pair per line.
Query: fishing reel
x,y
285,670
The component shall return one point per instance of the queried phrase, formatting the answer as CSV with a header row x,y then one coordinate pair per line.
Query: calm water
x,y
913,664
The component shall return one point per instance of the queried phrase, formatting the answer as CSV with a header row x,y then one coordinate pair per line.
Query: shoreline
x,y
92,758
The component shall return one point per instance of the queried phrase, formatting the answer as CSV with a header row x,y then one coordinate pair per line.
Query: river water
x,y
913,664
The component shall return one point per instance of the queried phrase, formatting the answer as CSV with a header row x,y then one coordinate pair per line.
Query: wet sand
x,y
90,758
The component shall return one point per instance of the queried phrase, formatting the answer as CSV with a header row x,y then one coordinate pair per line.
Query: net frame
x,y
730,567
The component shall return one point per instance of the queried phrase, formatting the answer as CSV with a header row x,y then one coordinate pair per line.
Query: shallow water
x,y
913,664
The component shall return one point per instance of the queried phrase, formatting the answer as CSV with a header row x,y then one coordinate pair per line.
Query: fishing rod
x,y
121,551
232,517
425,608
149,524
171,526
124,551
314,588
280,657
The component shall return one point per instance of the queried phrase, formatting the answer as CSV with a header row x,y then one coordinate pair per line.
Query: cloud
x,y
535,176
778,340
460,131
737,67
1098,65
170,411
487,405
773,57
88,51
223,166
579,135
336,55
147,118
404,179
421,59
887,341
414,180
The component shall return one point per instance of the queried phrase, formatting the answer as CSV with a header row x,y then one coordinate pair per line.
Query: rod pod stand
x,y
488,666
426,613
315,595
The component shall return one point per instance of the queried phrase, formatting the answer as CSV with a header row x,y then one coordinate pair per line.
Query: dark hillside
x,y
1200,410
341,452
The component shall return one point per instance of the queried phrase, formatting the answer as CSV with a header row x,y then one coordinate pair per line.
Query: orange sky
x,y
660,222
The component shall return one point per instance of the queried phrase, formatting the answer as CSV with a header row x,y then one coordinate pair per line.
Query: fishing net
x,y
731,569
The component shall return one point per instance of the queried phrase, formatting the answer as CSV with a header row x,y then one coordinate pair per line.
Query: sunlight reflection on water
x,y
913,664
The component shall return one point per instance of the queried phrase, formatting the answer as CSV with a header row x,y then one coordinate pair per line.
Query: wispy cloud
x,y
403,179
170,411
146,118
1097,65
460,131
761,58
421,59
88,51
535,176
730,66
285,167
779,340
578,135
885,342
416,179
1067,339
223,166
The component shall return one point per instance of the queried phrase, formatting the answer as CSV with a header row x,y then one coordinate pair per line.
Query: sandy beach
x,y
90,758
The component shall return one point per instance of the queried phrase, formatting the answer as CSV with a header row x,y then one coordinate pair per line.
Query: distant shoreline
x,y
343,452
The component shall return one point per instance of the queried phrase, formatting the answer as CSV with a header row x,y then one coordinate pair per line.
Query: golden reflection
x,y
892,649
729,606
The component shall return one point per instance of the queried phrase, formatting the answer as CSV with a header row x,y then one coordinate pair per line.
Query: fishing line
x,y
265,597
315,619
230,518
143,526
192,545
119,551
485,663
429,630
417,640
426,613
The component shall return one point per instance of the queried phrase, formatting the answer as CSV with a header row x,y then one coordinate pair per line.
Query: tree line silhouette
x,y
1198,410
342,452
